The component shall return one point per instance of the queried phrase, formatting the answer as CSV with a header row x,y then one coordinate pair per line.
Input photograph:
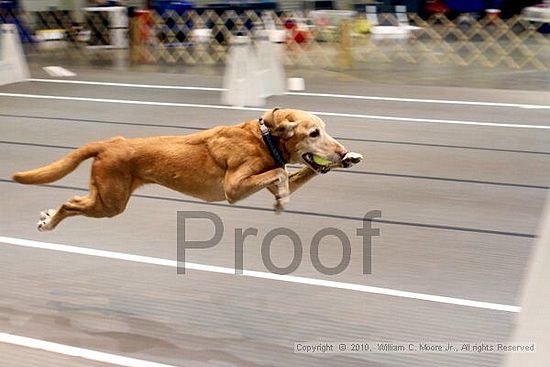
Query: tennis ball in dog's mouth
x,y
321,161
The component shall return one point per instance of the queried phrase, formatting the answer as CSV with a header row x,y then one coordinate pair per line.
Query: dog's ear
x,y
284,130
269,117
280,123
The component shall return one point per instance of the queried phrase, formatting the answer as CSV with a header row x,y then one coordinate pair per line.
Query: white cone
x,y
271,67
13,65
242,79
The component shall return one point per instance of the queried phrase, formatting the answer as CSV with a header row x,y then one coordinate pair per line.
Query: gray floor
x,y
460,206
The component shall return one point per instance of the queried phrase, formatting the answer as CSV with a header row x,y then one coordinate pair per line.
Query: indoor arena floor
x,y
460,187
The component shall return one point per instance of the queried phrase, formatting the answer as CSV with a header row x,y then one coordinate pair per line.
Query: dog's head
x,y
304,136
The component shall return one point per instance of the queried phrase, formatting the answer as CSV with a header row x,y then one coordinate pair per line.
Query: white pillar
x,y
13,64
242,81
270,61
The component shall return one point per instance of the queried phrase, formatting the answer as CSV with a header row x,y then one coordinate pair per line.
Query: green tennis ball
x,y
320,161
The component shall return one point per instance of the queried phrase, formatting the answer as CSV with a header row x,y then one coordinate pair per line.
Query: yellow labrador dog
x,y
222,163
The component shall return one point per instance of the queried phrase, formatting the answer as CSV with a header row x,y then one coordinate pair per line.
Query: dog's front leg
x,y
296,179
238,185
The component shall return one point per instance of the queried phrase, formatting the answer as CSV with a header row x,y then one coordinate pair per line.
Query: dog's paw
x,y
44,224
47,213
350,159
280,204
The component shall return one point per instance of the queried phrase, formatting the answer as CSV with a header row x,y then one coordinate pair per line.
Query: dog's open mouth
x,y
308,158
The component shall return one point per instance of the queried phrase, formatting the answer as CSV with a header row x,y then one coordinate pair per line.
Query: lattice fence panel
x,y
203,37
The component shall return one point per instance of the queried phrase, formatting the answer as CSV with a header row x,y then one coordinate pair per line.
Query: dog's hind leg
x,y
110,190
78,205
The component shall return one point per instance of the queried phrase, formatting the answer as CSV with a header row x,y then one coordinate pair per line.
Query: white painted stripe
x,y
67,350
319,113
305,94
421,100
125,85
258,274
128,101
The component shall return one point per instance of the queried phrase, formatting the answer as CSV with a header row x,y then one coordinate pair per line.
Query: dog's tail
x,y
58,169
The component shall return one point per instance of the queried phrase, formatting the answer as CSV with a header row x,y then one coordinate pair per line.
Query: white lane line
x,y
319,113
305,94
126,85
67,350
258,274
421,100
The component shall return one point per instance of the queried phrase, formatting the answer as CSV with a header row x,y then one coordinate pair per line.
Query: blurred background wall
x,y
507,6
38,5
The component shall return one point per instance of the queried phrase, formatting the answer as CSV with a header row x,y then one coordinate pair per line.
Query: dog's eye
x,y
315,133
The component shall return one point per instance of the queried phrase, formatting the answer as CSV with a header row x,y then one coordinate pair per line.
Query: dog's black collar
x,y
271,146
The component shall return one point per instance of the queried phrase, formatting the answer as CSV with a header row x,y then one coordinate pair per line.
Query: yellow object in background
x,y
362,26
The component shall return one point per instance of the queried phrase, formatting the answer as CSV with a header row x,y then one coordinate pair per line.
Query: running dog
x,y
222,163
